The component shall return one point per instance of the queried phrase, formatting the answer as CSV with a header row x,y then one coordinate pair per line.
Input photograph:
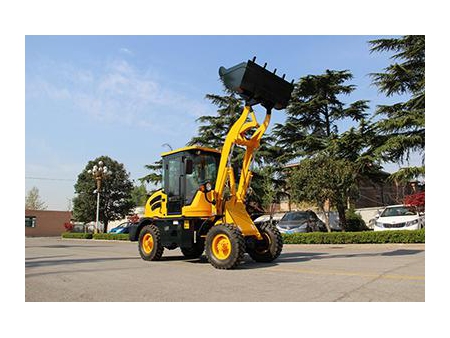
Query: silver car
x,y
300,221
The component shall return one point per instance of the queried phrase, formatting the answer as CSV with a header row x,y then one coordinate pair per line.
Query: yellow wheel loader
x,y
201,206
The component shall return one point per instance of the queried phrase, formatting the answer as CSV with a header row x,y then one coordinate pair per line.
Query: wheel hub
x,y
147,243
221,246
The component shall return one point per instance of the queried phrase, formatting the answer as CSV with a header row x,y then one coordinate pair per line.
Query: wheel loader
x,y
201,205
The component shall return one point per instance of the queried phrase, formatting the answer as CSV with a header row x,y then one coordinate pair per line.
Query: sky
x,y
127,96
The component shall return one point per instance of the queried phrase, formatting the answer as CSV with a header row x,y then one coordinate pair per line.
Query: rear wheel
x,y
150,247
225,246
269,248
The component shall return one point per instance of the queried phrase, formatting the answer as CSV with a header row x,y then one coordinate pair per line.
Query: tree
x,y
326,182
401,129
155,176
313,113
139,195
115,194
214,129
311,128
270,190
33,200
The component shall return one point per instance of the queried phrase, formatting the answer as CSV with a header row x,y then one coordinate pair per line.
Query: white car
x,y
400,217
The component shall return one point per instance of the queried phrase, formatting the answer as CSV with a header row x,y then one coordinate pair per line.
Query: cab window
x,y
204,169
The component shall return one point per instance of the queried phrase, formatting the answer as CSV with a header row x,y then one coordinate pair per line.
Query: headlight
x,y
379,224
412,222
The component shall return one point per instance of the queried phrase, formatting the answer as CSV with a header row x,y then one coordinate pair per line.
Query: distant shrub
x,y
354,221
84,235
79,235
115,237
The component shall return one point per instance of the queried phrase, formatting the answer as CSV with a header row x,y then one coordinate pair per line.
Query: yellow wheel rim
x,y
221,246
147,243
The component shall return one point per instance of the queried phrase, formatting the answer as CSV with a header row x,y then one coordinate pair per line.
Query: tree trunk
x,y
342,218
326,214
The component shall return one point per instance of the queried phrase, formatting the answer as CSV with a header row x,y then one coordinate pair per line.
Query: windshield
x,y
295,216
398,211
204,170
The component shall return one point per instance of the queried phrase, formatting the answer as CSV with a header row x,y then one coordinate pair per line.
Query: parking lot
x,y
86,270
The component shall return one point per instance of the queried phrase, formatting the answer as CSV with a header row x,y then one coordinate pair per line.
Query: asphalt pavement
x,y
69,270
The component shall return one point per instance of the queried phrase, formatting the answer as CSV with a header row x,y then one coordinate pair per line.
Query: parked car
x,y
123,228
300,221
276,217
400,217
333,219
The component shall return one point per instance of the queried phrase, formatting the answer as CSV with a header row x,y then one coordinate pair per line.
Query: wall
x,y
48,222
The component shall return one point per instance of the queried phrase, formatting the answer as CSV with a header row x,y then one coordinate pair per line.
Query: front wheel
x,y
225,246
269,248
150,247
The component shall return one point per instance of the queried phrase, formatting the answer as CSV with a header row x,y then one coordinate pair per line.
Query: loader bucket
x,y
255,84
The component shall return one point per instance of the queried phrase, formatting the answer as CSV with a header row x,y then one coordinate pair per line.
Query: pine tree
x,y
155,176
401,128
313,113
213,129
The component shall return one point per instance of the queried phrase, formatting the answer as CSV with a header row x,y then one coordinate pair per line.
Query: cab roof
x,y
210,150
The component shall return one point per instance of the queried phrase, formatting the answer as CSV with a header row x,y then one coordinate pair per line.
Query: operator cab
x,y
184,171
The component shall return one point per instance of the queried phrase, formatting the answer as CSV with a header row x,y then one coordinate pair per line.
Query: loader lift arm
x,y
257,86
225,172
237,136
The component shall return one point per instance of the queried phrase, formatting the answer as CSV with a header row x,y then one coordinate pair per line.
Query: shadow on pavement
x,y
307,256
53,262
293,257
63,246
45,257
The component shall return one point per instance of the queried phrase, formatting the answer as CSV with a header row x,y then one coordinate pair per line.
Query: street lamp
x,y
99,172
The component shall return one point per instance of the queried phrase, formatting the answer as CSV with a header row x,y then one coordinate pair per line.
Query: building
x,y
42,223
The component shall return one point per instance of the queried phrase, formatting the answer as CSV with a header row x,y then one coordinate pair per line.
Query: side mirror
x,y
207,187
189,166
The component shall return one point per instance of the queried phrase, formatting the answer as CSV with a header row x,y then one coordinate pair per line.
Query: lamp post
x,y
99,172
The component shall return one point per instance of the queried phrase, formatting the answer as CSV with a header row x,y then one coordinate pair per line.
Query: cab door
x,y
173,183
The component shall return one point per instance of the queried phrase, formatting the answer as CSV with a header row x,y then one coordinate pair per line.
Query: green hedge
x,y
115,237
364,237
79,235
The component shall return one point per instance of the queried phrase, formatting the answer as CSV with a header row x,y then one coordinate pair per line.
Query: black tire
x,y
225,246
150,247
269,248
196,250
